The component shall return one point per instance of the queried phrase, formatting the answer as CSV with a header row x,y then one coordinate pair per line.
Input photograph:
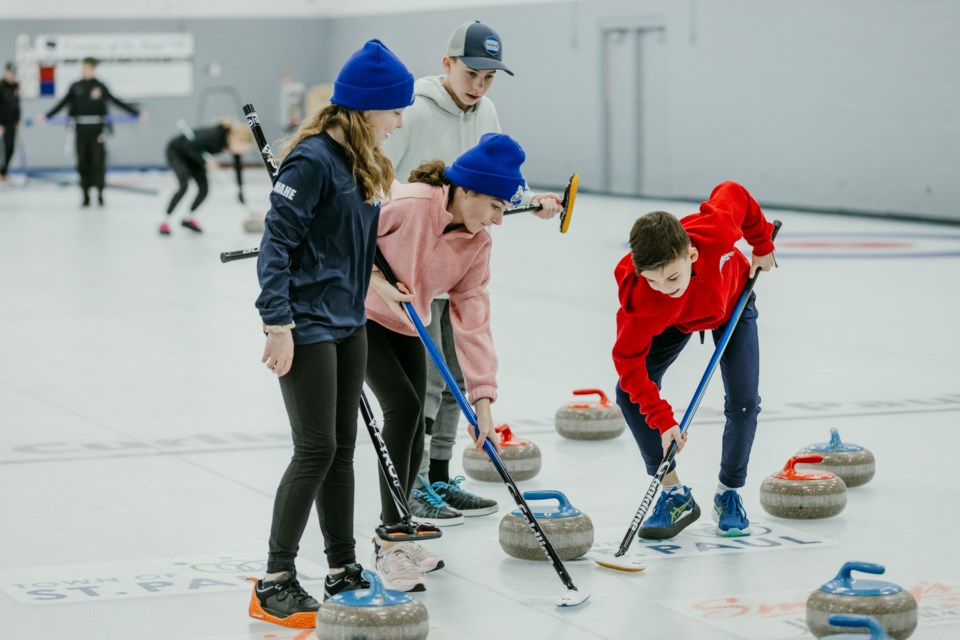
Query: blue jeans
x,y
740,368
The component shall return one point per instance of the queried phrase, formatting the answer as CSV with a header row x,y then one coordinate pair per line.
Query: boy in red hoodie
x,y
680,277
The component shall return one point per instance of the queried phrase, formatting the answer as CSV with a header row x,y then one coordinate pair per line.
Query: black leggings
x,y
91,160
185,168
322,395
9,144
397,374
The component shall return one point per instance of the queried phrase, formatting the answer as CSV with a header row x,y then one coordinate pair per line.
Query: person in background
x,y
449,115
86,101
190,156
9,116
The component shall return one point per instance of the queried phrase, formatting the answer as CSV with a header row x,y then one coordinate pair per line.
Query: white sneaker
x,y
399,571
425,560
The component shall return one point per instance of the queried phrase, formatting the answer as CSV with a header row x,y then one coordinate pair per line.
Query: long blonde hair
x,y
371,166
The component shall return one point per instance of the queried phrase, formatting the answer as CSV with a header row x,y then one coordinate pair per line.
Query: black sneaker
x,y
469,504
426,506
284,602
191,224
347,580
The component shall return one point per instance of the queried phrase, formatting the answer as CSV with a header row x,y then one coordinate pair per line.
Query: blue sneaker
x,y
729,514
674,512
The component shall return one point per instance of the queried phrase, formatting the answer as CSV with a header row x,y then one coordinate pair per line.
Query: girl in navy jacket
x,y
314,266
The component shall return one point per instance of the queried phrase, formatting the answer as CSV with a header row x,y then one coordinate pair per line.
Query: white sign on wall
x,y
143,65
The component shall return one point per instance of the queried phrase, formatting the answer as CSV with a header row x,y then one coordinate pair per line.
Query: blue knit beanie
x,y
373,79
491,168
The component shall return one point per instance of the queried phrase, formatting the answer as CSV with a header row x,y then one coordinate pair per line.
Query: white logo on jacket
x,y
287,192
724,258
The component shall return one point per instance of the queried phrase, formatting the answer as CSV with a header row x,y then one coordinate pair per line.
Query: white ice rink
x,y
141,440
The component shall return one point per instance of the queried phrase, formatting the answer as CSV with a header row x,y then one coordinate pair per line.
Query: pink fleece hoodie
x,y
431,263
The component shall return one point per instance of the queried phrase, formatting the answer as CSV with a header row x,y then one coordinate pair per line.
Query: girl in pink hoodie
x,y
433,234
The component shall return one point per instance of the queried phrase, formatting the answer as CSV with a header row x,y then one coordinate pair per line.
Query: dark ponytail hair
x,y
431,172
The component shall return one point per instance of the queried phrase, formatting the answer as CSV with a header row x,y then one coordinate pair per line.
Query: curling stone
x,y
568,529
891,606
520,457
791,494
874,628
253,223
853,463
374,614
590,420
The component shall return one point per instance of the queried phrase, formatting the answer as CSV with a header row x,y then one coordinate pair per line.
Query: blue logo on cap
x,y
491,45
517,197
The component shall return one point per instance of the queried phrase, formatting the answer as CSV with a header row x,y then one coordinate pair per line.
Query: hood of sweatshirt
x,y
431,88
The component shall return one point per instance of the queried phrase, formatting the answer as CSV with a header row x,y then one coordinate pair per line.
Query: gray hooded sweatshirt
x,y
435,128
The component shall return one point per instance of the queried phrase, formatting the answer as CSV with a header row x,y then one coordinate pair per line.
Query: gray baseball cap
x,y
478,46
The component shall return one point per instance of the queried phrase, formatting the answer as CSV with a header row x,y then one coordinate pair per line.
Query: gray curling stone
x,y
874,628
853,463
372,614
791,494
253,224
520,457
886,602
568,529
590,421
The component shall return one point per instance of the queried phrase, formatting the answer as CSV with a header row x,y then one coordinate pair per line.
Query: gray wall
x,y
251,53
833,104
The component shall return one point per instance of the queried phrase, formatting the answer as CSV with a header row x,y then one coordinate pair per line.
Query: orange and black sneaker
x,y
192,224
347,580
284,602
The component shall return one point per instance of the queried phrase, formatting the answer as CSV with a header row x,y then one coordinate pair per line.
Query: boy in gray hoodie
x,y
449,114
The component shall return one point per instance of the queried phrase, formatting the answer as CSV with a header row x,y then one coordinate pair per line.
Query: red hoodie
x,y
718,278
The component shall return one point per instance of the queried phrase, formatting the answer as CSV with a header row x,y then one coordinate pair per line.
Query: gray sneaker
x,y
426,506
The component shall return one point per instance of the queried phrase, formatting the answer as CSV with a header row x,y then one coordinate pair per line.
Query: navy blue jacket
x,y
317,250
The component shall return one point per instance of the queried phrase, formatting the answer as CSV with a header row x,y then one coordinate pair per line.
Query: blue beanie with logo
x,y
373,79
491,168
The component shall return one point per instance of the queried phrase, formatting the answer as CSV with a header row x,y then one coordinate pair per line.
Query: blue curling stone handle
x,y
376,596
563,510
845,585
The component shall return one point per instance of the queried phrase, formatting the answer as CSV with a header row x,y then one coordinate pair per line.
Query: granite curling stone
x,y
854,464
569,530
886,602
791,494
520,457
372,614
590,420
874,628
253,223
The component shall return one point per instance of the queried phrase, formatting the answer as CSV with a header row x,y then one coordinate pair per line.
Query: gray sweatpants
x,y
440,405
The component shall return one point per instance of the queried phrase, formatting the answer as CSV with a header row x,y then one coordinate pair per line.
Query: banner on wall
x,y
133,65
